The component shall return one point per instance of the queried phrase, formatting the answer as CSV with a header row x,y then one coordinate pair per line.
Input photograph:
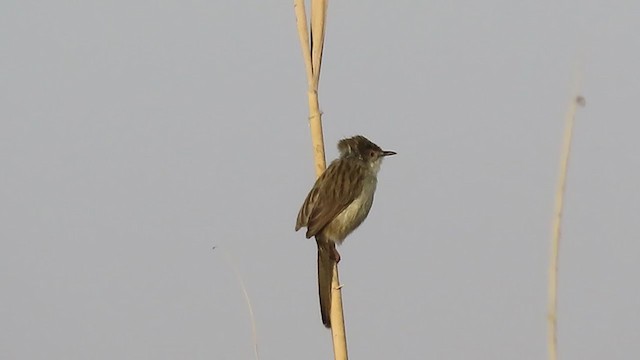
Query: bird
x,y
337,204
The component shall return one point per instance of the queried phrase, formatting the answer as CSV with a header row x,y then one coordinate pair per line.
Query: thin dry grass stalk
x,y
552,323
312,45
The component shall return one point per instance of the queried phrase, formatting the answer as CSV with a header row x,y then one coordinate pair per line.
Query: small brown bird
x,y
337,204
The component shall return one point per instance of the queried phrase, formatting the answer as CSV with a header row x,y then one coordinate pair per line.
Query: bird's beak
x,y
388,153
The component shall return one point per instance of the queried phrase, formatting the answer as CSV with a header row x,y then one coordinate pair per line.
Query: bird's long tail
x,y
326,260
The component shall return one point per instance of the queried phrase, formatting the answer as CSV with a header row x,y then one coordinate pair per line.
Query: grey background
x,y
137,135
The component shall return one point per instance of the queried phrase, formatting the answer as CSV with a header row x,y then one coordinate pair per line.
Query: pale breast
x,y
353,215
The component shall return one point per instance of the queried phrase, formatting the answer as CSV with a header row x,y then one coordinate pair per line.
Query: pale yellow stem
x,y
312,55
557,225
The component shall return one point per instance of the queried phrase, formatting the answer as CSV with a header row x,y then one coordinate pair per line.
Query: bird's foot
x,y
336,255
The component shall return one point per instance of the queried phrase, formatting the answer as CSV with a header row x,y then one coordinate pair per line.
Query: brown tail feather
x,y
325,274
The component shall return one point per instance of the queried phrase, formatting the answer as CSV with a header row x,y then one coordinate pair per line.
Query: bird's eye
x,y
372,153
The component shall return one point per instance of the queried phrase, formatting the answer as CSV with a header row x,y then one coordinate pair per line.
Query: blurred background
x,y
137,135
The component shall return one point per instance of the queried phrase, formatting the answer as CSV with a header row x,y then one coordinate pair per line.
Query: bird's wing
x,y
325,201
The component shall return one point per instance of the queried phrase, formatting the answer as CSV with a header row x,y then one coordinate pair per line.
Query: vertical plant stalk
x,y
312,46
557,227
313,78
247,299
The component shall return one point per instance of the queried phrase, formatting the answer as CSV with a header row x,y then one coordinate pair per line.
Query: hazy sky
x,y
137,135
